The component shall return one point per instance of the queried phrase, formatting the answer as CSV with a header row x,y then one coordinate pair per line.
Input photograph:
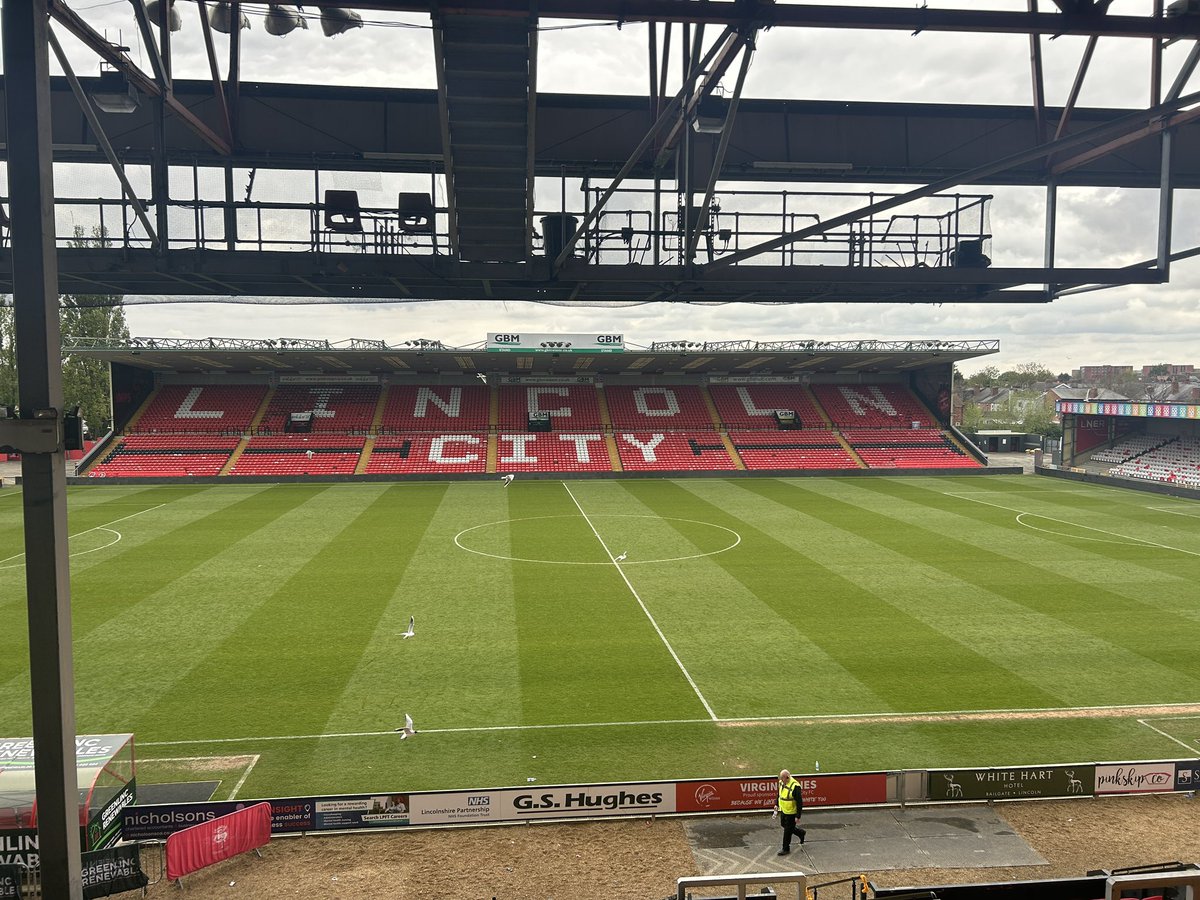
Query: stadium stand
x,y
209,409
1176,462
571,407
422,454
658,408
414,429
553,452
296,454
872,406
342,408
426,408
791,450
166,456
907,449
1129,448
672,451
753,406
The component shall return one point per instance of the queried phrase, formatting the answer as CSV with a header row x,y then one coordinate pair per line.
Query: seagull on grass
x,y
507,479
407,731
412,628
621,558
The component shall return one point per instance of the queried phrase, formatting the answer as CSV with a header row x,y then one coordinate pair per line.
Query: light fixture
x,y
114,93
220,17
335,20
283,20
153,7
709,115
1182,8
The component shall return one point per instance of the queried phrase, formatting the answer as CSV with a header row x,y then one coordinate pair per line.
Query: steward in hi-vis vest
x,y
789,805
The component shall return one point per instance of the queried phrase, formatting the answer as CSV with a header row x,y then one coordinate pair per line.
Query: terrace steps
x,y
261,412
364,458
235,455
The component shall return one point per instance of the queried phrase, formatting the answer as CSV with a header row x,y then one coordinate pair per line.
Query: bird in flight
x,y
507,479
621,558
412,628
408,730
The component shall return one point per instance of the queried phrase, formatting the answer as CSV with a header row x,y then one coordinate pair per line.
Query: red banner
x,y
743,794
210,842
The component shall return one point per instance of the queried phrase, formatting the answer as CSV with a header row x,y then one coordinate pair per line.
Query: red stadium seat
x,y
343,408
872,406
417,454
658,408
571,407
753,406
163,455
429,408
791,450
552,452
191,409
672,451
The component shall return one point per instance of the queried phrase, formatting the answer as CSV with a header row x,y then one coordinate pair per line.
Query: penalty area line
x,y
1169,737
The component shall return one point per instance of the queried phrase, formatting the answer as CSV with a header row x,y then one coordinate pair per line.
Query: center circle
x,y
731,538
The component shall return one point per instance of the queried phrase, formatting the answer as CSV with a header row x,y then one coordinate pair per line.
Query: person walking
x,y
789,806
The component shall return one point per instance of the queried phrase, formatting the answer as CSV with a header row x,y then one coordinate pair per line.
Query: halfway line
x,y
708,709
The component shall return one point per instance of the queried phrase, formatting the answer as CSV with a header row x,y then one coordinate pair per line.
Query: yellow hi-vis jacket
x,y
788,797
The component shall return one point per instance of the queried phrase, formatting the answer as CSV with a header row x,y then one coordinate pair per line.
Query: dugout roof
x,y
314,357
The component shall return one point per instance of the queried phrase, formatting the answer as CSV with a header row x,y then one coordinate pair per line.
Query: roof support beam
x,y
699,221
139,79
85,104
439,55
1118,126
211,52
38,344
795,15
728,38
1038,78
1132,137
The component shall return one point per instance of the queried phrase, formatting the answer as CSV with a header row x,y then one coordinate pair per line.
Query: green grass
x,y
227,615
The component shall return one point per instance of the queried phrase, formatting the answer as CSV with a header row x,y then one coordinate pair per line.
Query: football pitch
x,y
587,631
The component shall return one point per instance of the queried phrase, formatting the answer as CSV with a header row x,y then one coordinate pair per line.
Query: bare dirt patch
x,y
640,859
997,715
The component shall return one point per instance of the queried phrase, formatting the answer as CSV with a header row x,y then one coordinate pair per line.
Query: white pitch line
x,y
949,715
1026,512
1175,512
1189,747
250,768
94,528
708,709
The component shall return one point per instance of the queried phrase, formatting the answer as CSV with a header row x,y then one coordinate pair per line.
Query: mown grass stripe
x,y
1111,617
729,636
1063,660
828,609
307,637
587,653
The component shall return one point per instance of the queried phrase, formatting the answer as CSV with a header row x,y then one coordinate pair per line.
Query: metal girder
x,y
1153,115
35,289
664,118
156,60
98,130
1132,137
139,79
215,73
439,56
795,15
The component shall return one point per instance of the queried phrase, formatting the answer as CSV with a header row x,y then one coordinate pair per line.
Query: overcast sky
x,y
1134,325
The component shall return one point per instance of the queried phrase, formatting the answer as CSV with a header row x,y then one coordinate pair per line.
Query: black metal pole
x,y
35,313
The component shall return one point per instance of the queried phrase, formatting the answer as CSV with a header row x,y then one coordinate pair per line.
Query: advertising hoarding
x,y
1135,778
1014,783
556,343
747,794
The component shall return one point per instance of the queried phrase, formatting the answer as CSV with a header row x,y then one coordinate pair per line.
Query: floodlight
x,y
335,20
283,20
709,115
174,22
220,17
1182,8
114,93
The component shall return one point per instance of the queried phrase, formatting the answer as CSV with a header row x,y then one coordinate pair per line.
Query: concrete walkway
x,y
862,840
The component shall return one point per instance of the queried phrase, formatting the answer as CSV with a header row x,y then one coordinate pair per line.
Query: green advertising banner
x,y
1013,783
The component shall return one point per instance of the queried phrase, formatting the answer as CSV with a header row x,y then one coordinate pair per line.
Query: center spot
x,y
566,540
